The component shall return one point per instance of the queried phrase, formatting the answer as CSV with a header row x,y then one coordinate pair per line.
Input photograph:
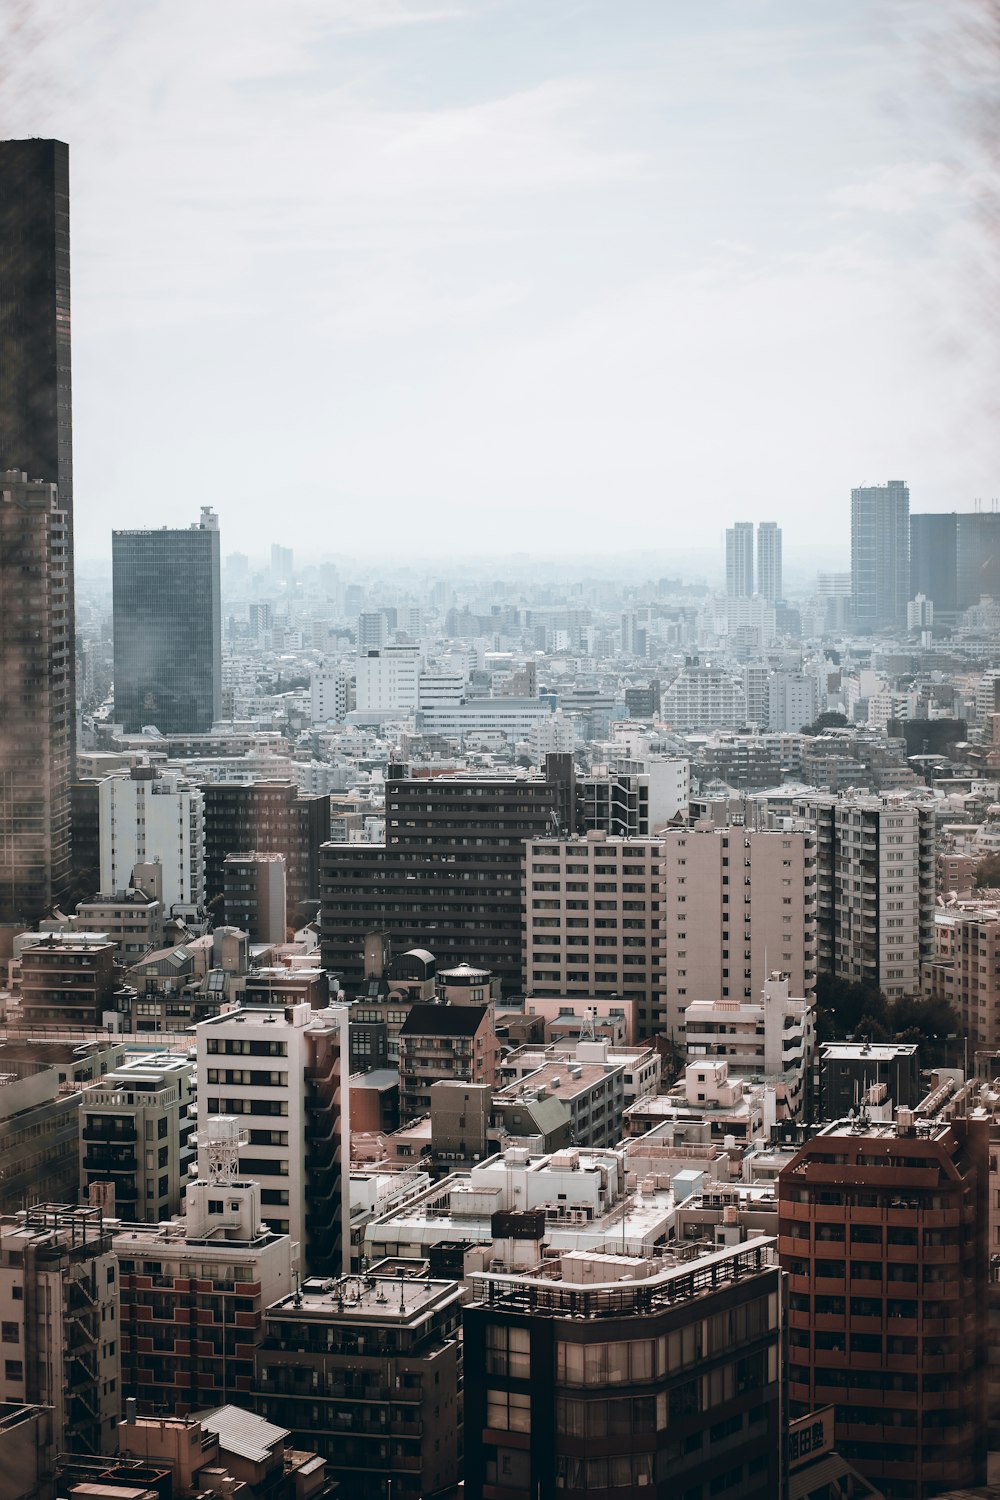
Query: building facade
x,y
271,817
880,554
168,627
739,560
153,815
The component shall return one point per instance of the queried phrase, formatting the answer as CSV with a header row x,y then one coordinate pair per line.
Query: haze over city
x,y
439,278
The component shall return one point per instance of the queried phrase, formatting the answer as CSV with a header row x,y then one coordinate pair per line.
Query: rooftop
x,y
369,1298
444,1020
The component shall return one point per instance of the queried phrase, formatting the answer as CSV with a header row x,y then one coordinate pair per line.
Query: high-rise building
x,y
592,924
254,895
739,560
168,627
270,817
36,417
883,1231
933,560
36,699
59,1305
977,557
874,887
388,679
611,1374
880,554
769,561
282,1072
149,814
736,906
448,876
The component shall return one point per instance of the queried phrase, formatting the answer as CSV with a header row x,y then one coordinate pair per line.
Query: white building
x,y
388,679
514,718
153,815
770,1040
553,735
704,698
330,690
438,689
252,1064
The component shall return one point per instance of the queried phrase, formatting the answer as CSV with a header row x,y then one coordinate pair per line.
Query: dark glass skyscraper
x,y
933,539
168,627
37,656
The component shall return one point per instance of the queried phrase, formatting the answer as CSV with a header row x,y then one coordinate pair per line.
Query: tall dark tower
x,y
36,453
36,421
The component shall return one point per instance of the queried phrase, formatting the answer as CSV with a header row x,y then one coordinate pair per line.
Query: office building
x,y
36,387
739,560
883,1233
977,557
253,895
769,561
193,1292
880,554
136,1137
37,703
59,1318
448,876
592,923
270,817
282,561
934,561
737,904
153,816
289,1095
874,887
367,1370
613,1374
168,627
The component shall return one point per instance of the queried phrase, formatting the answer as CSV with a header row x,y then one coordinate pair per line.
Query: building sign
x,y
810,1436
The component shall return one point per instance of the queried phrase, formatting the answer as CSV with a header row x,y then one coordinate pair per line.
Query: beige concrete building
x,y
771,1039
965,969
593,921
739,904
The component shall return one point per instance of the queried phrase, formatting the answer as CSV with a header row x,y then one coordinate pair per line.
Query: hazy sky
x,y
451,275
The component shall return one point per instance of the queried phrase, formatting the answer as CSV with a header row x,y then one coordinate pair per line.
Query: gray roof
x,y
242,1432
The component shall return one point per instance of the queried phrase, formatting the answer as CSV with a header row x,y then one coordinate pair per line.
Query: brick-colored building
x,y
883,1232
441,1042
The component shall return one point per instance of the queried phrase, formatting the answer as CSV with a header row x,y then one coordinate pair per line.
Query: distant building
x,y
739,560
769,584
880,554
388,679
168,627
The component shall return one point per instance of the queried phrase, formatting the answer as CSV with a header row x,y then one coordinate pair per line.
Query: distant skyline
x,y
453,276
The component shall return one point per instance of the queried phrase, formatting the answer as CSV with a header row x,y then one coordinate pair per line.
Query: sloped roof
x,y
243,1432
443,1020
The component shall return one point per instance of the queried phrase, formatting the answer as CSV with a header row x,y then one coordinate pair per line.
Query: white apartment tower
x,y
769,561
330,693
282,1073
739,560
388,679
153,815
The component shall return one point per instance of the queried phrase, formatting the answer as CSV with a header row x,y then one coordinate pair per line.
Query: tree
x,y
988,871
828,719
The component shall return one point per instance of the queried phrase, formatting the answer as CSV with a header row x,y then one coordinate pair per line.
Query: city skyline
x,y
356,272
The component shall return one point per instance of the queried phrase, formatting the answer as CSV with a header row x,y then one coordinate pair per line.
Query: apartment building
x,y
883,1230
282,1072
39,1133
772,1039
193,1292
388,679
593,1092
875,887
59,1327
367,1370
146,814
444,1043
71,983
254,895
736,904
614,1374
271,817
704,698
448,877
593,920
132,918
965,969
136,1136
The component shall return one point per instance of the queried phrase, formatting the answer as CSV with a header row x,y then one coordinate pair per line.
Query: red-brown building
x,y
883,1231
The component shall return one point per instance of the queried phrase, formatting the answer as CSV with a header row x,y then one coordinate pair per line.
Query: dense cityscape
x,y
493,1027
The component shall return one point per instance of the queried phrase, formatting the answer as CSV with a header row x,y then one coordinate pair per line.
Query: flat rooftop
x,y
368,1298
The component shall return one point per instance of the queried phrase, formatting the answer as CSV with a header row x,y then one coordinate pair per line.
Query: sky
x,y
452,277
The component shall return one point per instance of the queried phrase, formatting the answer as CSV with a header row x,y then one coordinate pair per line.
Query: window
x,y
10,1333
508,1351
508,1410
13,1369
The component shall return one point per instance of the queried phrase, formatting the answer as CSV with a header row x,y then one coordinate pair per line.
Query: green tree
x,y
828,719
